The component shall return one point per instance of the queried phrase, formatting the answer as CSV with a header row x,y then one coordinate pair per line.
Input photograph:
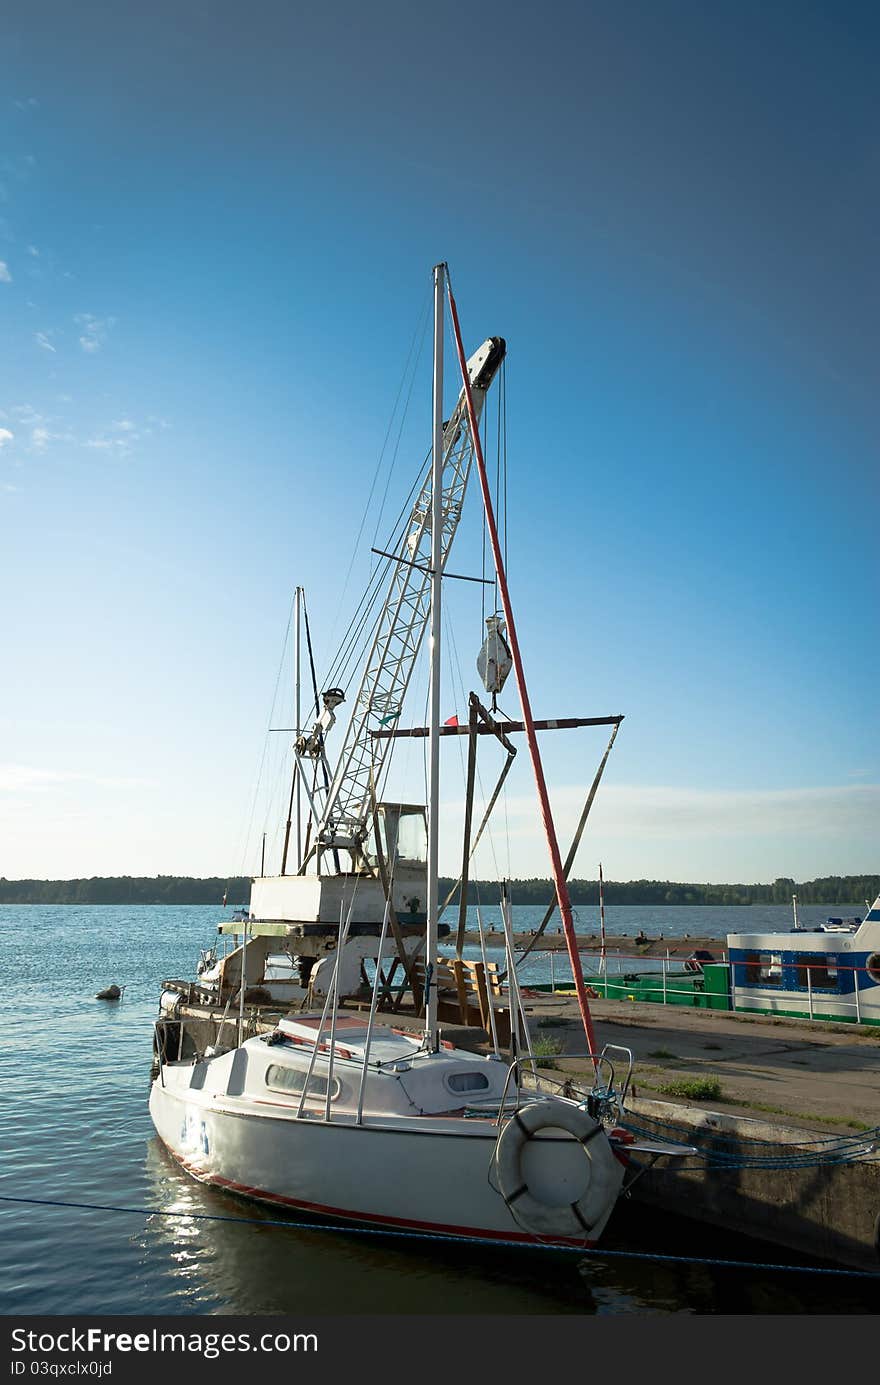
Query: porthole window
x,y
467,1082
872,966
282,1079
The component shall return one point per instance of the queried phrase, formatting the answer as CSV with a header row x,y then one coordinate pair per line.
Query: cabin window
x,y
817,970
872,966
753,968
467,1082
404,833
293,1080
769,969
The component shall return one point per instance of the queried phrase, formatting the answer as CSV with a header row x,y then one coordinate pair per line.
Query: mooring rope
x,y
351,1230
725,1151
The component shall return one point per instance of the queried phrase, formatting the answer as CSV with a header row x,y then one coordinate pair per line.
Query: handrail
x,y
605,1090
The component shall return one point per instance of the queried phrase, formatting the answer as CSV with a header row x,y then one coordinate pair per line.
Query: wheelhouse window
x,y
817,970
292,1080
768,969
403,831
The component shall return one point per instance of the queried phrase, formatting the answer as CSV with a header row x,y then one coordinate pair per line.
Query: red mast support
x,y
559,880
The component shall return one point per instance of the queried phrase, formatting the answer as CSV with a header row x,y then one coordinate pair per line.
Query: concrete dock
x,y
817,1076
782,1083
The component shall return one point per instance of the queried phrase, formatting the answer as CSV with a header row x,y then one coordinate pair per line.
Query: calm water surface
x,y
74,1125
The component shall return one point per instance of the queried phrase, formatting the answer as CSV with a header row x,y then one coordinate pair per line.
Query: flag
x,y
383,721
453,721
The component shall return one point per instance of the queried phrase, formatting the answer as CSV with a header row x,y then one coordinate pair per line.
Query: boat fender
x,y
605,1172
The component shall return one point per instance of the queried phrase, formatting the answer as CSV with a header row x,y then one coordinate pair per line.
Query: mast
x,y
431,1035
298,724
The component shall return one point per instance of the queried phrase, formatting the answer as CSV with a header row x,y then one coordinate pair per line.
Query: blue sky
x,y
216,235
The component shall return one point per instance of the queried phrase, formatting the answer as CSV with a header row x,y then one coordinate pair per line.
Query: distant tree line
x,y
126,889
831,889
181,889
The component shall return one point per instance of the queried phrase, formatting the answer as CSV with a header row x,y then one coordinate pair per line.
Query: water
x,y
74,1125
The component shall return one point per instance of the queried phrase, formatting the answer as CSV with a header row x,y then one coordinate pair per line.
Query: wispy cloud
x,y
16,779
674,833
95,331
5,436
119,437
5,276
26,414
29,103
662,813
42,339
121,446
41,437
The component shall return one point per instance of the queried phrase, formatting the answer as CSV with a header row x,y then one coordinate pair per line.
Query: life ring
x,y
605,1173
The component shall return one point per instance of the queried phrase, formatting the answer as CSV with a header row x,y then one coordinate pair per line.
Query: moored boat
x,y
831,972
277,1079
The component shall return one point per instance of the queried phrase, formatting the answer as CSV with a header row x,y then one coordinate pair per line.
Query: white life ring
x,y
605,1172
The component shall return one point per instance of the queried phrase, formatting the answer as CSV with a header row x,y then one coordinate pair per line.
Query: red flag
x,y
453,721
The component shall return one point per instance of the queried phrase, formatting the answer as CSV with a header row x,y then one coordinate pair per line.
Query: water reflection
x,y
269,1268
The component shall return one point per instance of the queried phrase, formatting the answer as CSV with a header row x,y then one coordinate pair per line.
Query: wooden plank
x,y
461,988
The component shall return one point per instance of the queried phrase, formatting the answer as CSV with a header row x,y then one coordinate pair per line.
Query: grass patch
x,y
546,1050
695,1089
662,1053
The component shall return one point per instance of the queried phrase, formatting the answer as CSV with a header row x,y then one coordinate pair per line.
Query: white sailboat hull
x,y
424,1175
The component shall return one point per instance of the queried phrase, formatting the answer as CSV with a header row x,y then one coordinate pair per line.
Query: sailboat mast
x,y
431,1034
297,601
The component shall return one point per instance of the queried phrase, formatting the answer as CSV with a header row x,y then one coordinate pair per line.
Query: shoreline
x,y
591,942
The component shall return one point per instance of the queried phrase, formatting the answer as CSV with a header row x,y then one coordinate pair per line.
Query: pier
x,y
780,1081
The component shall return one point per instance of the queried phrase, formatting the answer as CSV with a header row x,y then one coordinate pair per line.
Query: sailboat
x,y
309,1098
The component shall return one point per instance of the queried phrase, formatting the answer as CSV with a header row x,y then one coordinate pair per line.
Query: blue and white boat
x,y
831,972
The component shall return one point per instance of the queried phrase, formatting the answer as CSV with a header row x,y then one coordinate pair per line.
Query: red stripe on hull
x,y
394,1223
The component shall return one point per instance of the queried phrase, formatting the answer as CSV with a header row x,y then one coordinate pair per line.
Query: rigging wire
x,y
378,468
247,835
456,664
403,417
375,585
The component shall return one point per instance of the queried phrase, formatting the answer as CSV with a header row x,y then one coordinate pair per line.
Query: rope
x,y
351,1230
724,1150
